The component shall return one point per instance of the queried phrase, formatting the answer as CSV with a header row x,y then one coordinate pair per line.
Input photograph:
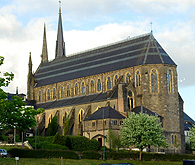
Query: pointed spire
x,y
17,90
60,45
30,65
44,56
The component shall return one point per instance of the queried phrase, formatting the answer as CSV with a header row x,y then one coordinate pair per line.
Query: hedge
x,y
76,143
47,145
22,153
90,155
148,156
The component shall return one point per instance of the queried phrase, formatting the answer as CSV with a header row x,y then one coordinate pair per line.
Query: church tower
x,y
44,55
30,83
60,45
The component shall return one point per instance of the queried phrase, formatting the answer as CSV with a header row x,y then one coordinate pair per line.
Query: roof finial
x,y
59,7
151,26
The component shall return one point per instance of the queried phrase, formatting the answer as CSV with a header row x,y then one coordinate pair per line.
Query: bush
x,y
90,155
81,143
77,143
22,153
47,145
40,139
58,139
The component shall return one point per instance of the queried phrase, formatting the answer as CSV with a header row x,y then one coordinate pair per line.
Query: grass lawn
x,y
55,161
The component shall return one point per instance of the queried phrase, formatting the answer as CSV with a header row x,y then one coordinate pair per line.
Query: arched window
x,y
170,81
138,78
48,94
154,81
99,88
68,90
76,89
128,78
108,83
130,99
62,92
65,117
92,86
83,88
115,79
54,93
81,115
40,98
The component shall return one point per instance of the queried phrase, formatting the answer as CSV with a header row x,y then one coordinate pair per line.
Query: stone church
x,y
136,72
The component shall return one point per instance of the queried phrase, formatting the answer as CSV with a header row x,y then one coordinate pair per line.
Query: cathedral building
x,y
136,72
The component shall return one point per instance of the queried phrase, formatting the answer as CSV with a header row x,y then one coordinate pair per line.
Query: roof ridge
x,y
110,44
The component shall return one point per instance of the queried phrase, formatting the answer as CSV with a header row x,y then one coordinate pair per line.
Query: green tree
x,y
66,125
14,113
114,140
192,136
7,77
52,127
142,130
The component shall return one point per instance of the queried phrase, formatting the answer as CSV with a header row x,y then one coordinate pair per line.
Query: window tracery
x,y
130,99
108,83
99,85
92,86
170,81
68,91
138,78
83,88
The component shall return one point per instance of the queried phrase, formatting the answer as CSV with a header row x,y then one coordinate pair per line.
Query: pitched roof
x,y
109,113
188,118
128,53
74,101
142,109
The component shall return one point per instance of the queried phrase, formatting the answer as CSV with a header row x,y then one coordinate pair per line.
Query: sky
x,y
91,23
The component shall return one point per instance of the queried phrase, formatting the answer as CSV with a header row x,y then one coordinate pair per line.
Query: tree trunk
x,y
140,154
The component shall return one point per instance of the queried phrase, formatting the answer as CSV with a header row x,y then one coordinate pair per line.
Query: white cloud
x,y
17,39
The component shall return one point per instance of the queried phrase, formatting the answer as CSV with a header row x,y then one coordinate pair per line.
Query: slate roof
x,y
74,101
142,109
109,113
187,118
128,53
188,122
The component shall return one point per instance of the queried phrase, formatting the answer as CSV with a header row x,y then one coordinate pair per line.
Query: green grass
x,y
55,161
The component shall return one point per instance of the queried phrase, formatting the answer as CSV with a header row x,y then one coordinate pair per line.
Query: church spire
x,y
60,45
44,56
30,65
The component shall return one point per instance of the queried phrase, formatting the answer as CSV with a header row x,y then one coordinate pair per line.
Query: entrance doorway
x,y
100,141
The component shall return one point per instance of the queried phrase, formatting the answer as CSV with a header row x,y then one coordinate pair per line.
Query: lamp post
x,y
104,154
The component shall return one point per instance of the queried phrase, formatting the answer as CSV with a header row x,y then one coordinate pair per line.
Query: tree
x,y
14,113
192,136
114,140
141,131
7,77
52,127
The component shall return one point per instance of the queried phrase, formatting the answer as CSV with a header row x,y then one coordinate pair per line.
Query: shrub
x,y
81,143
47,145
90,155
22,153
58,139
